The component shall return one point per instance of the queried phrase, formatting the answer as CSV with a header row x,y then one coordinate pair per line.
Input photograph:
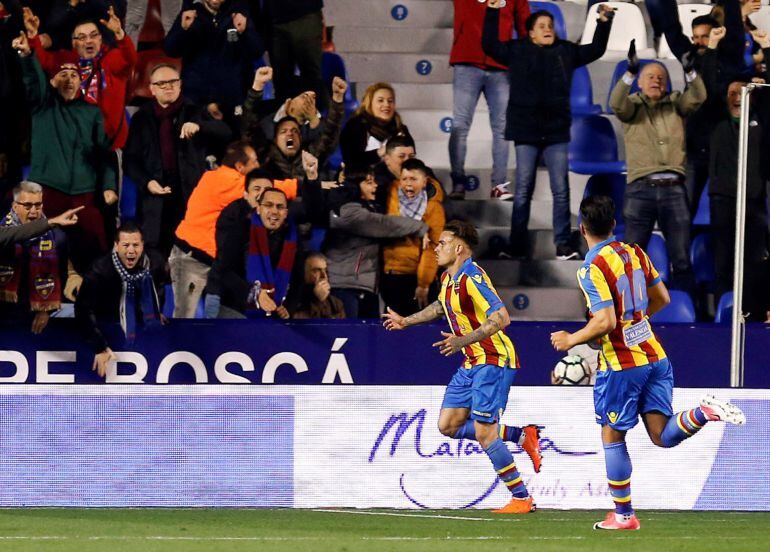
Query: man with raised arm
x,y
476,397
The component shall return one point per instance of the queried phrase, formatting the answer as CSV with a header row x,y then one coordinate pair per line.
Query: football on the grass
x,y
572,370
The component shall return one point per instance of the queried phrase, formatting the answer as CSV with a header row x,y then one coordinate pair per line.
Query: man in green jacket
x,y
71,156
654,133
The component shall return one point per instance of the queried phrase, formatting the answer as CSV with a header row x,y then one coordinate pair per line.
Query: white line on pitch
x,y
394,514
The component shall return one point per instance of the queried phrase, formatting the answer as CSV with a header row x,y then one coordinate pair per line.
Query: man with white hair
x,y
33,268
654,133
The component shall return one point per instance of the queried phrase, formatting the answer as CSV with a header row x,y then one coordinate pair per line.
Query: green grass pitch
x,y
370,530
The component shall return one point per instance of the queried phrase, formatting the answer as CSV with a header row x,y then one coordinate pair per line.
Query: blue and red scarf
x,y
92,80
137,283
258,265
44,285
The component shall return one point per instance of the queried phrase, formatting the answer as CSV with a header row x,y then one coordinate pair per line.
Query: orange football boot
x,y
517,506
531,445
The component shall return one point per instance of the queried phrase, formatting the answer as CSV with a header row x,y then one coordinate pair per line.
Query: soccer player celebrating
x,y
477,395
622,289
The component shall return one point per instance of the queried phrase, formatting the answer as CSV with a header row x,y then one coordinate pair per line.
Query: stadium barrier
x,y
255,352
346,446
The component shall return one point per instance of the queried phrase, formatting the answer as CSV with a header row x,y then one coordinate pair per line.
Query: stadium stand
x,y
594,146
582,94
687,12
702,259
724,309
629,25
681,309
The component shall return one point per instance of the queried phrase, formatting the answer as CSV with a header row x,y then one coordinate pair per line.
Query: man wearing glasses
x,y
166,155
104,71
258,270
33,270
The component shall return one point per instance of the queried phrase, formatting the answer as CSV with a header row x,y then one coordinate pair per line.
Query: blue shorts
x,y
482,389
620,397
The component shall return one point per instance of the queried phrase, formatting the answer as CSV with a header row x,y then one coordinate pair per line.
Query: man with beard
x,y
477,395
70,151
104,71
258,268
119,287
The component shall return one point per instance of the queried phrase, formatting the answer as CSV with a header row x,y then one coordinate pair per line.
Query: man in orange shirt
x,y
195,246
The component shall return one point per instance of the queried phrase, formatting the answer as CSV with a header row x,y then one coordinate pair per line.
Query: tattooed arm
x,y
394,321
451,343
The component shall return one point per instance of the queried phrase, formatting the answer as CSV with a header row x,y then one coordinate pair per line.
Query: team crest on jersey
x,y
44,285
6,273
613,416
582,272
477,278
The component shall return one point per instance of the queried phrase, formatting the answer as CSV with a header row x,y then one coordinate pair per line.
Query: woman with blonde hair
x,y
376,121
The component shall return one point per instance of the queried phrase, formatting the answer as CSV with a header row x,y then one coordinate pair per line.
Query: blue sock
x,y
512,434
502,461
618,464
681,426
466,431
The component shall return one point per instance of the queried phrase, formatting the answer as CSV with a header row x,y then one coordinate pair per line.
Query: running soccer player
x,y
622,289
477,394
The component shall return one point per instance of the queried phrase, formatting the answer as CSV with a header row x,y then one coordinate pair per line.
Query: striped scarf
x,y
412,208
44,285
258,265
92,80
140,281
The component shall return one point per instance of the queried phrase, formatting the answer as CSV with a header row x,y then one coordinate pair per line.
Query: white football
x,y
572,370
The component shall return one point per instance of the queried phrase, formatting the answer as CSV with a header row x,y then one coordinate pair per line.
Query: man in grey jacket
x,y
357,227
16,234
654,134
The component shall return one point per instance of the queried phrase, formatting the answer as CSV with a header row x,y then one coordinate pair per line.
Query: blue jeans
x,y
646,203
468,84
555,157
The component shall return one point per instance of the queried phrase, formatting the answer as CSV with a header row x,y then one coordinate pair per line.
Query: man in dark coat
x,y
119,287
166,155
538,118
217,42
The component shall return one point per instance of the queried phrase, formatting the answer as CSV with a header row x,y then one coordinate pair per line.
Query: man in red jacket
x,y
104,71
474,73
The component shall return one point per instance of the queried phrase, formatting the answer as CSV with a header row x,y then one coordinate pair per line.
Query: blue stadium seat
x,y
129,197
316,239
702,259
25,171
725,309
681,309
168,304
621,68
656,250
558,17
703,214
594,148
581,96
267,93
614,186
332,65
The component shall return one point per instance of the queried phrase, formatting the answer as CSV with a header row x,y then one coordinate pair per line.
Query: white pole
x,y
736,349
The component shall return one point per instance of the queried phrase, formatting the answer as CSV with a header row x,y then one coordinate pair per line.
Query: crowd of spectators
x,y
234,185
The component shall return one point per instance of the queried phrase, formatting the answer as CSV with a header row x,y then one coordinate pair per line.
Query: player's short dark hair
x,y
399,141
257,174
415,164
275,190
705,20
128,227
529,24
463,230
236,153
597,214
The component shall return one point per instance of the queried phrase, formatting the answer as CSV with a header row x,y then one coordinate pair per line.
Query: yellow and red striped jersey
x,y
617,275
468,299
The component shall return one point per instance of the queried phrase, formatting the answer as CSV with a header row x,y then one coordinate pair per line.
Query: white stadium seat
x,y
628,25
687,12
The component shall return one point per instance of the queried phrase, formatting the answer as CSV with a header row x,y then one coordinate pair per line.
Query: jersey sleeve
x,y
594,286
651,276
483,294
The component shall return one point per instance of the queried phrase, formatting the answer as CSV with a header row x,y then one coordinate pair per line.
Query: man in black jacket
x,y
723,170
166,155
120,287
538,117
258,267
217,42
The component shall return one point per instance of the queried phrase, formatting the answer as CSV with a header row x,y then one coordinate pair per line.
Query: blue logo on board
x,y
399,12
446,124
520,301
471,183
424,67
